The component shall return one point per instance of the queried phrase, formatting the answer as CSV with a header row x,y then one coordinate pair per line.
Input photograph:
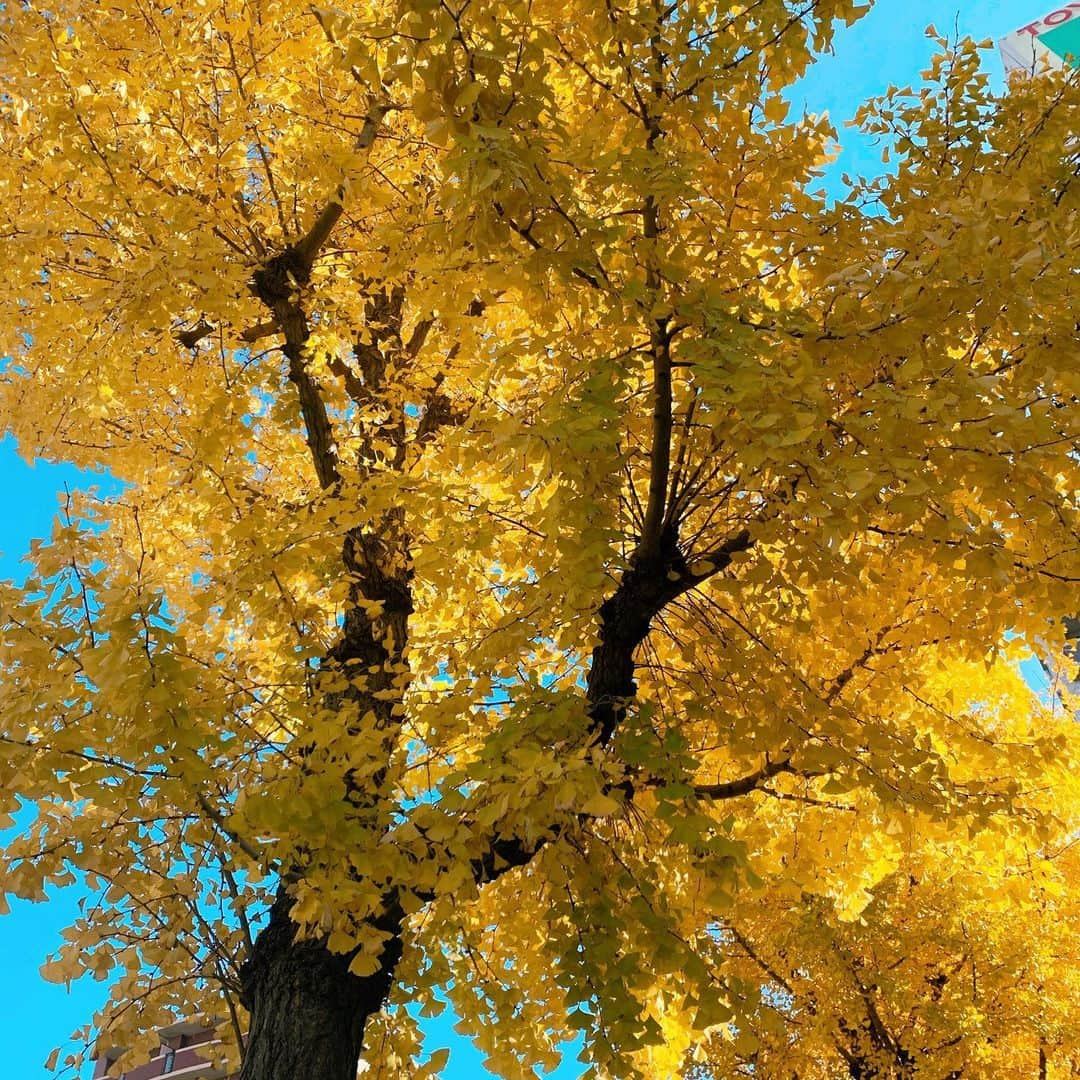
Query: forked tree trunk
x,y
308,1012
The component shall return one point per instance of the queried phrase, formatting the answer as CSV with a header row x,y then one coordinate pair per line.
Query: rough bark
x,y
645,589
308,1013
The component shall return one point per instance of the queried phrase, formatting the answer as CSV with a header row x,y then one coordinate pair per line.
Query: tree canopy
x,y
566,565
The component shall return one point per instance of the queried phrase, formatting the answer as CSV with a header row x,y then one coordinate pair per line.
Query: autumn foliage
x,y
565,565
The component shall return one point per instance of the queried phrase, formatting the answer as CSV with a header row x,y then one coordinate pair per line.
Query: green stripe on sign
x,y
1064,40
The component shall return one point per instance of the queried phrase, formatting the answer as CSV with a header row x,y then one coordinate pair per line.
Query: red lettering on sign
x,y
1057,17
1031,28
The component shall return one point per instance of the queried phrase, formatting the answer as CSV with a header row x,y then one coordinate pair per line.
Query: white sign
x,y
1054,40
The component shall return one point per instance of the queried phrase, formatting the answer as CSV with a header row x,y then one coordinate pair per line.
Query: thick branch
x,y
626,617
279,278
191,338
309,247
731,789
645,589
320,436
278,282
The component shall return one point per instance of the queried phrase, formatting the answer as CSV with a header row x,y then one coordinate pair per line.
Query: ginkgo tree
x,y
565,566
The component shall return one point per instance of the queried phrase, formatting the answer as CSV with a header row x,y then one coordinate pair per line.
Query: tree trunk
x,y
308,1012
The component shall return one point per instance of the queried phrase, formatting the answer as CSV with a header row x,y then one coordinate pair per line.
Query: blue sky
x,y
888,46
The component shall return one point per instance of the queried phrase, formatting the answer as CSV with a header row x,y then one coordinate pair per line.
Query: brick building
x,y
179,1055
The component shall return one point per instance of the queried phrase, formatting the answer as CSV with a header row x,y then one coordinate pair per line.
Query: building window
x,y
170,1059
